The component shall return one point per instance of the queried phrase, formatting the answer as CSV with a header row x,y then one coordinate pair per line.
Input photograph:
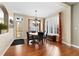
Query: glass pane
x,y
1,16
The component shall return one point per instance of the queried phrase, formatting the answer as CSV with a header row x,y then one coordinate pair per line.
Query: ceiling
x,y
71,3
44,9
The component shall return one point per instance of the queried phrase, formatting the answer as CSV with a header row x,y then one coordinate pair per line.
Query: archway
x,y
6,16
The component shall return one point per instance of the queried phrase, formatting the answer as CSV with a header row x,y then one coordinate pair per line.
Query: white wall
x,y
75,24
66,25
7,38
5,41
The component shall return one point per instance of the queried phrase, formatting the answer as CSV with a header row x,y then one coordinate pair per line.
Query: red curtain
x,y
60,30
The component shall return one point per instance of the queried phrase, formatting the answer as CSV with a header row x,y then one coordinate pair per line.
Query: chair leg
x,y
45,40
27,42
42,41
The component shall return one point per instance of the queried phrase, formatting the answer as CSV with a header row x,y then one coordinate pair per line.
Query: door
x,y
18,26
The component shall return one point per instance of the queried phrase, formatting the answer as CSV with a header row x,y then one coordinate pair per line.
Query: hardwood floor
x,y
48,49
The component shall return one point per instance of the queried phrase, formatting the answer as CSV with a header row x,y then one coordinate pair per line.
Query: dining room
x,y
40,33
37,28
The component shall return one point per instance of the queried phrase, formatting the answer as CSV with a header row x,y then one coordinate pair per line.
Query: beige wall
x,y
66,25
42,25
7,38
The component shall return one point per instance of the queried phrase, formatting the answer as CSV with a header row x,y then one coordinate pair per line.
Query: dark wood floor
x,y
48,49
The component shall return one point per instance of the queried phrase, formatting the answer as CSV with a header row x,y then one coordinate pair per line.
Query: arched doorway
x,y
5,16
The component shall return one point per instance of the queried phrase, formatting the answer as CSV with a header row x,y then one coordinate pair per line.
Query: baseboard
x,y
71,44
7,47
66,43
74,46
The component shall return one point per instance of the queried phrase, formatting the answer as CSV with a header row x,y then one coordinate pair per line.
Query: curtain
x,y
60,30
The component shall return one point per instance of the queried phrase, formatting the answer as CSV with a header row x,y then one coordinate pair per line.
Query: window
x,y
51,24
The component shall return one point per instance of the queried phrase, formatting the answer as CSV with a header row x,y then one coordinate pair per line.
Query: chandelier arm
x,y
36,21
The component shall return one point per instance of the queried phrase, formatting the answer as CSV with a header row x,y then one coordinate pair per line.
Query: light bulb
x,y
33,21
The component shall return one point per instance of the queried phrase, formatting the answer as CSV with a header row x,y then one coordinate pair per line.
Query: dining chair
x,y
45,36
40,36
29,38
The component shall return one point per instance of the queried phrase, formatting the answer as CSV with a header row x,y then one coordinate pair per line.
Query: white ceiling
x,y
44,9
71,3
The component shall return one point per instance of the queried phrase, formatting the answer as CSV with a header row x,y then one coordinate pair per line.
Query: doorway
x,y
18,26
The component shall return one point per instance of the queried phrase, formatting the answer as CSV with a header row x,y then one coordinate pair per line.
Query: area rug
x,y
17,42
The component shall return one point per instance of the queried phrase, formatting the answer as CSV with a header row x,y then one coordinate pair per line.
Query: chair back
x,y
27,35
40,35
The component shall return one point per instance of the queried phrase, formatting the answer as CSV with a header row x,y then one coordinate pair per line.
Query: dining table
x,y
34,36
36,33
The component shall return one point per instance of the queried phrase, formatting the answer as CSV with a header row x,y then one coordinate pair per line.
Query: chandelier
x,y
36,21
